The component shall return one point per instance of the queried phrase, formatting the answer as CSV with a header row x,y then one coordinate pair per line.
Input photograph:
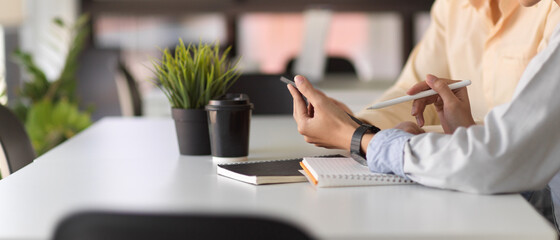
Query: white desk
x,y
134,165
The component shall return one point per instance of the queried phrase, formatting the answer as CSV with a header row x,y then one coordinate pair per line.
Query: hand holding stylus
x,y
452,106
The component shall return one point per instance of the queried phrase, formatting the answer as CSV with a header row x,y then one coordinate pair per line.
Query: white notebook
x,y
339,172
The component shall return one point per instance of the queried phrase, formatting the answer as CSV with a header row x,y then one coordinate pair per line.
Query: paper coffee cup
x,y
229,121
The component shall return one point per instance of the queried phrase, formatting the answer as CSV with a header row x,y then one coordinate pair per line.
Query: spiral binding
x,y
368,177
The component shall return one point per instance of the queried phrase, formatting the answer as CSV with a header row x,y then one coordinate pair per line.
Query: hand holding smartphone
x,y
288,81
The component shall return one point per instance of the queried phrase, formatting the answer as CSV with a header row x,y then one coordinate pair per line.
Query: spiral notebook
x,y
345,172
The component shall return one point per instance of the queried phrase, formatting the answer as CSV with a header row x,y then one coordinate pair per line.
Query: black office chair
x,y
136,226
267,93
333,65
97,83
15,142
133,90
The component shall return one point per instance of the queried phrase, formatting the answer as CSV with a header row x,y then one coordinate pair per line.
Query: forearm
x,y
384,151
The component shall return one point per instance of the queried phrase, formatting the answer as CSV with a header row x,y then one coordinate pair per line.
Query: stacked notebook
x,y
324,171
266,172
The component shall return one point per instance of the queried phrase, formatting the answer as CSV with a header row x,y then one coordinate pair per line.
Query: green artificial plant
x,y
49,108
194,74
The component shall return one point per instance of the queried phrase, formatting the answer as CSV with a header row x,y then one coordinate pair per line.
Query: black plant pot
x,y
192,131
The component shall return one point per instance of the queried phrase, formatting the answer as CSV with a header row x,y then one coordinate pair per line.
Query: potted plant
x,y
49,107
189,78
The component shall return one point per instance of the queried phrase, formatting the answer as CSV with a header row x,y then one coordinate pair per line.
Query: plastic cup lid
x,y
230,100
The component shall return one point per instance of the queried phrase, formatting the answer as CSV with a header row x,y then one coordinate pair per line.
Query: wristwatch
x,y
356,142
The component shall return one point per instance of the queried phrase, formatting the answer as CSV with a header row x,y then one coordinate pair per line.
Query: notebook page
x,y
336,166
331,172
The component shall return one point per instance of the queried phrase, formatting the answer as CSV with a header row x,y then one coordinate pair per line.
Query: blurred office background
x,y
360,45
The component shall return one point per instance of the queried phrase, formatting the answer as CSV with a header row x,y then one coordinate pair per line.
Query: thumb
x,y
305,87
441,87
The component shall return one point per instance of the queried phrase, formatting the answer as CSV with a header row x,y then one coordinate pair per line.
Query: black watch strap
x,y
356,142
372,128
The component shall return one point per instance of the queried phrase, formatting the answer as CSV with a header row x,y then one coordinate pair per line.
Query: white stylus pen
x,y
422,94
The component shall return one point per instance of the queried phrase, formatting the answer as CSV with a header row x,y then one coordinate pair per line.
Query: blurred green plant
x,y
50,123
194,74
49,109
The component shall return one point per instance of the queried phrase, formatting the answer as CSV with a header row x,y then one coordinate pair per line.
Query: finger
x,y
300,107
462,94
438,104
305,87
418,105
441,87
415,129
319,92
417,111
420,120
419,87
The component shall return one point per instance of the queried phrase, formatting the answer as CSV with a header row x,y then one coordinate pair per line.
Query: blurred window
x,y
370,41
148,33
140,37
267,42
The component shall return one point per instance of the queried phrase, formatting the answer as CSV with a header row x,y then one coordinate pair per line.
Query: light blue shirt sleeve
x,y
385,153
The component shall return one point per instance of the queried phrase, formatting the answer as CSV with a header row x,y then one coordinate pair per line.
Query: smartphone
x,y
288,81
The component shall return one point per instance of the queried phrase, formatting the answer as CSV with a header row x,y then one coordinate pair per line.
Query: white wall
x,y
47,43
